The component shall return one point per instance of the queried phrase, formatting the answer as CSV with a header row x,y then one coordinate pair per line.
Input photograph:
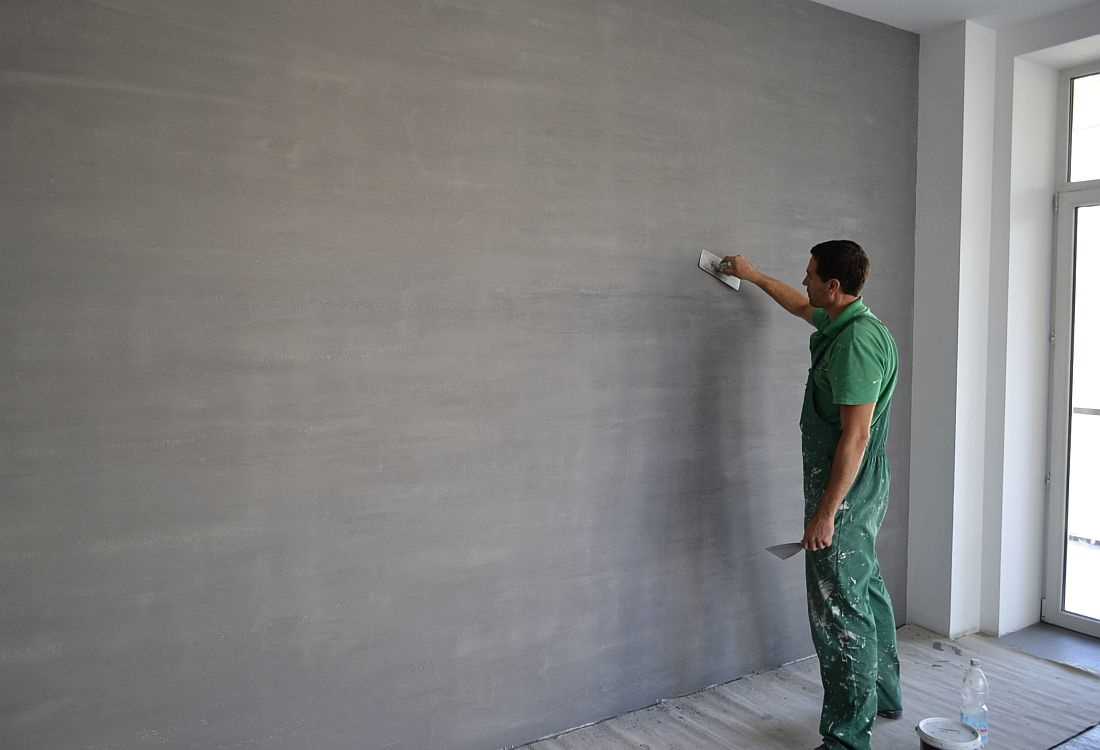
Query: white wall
x,y
992,323
974,255
1020,344
1024,180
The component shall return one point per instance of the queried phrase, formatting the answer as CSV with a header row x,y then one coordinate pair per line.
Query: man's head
x,y
836,273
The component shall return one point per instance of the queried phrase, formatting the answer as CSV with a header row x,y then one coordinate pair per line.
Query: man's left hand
x,y
819,533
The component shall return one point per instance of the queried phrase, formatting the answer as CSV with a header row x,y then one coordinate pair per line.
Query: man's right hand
x,y
789,298
739,266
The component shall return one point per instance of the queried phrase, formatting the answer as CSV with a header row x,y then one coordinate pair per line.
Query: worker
x,y
846,483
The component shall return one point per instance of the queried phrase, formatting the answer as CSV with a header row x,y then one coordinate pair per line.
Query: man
x,y
846,481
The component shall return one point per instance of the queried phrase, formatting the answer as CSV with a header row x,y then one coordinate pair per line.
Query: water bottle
x,y
974,711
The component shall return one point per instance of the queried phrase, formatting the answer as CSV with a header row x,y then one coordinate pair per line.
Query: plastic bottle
x,y
975,690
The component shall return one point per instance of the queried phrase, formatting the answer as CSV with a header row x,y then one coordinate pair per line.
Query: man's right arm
x,y
789,298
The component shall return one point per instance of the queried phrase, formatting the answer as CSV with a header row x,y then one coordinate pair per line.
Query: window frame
x,y
1068,197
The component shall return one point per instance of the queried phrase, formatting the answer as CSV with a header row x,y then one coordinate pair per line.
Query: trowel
x,y
711,264
783,551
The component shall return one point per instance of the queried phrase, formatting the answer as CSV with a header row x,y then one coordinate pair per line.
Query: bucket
x,y
947,734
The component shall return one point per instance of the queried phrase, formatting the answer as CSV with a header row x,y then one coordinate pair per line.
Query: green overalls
x,y
851,616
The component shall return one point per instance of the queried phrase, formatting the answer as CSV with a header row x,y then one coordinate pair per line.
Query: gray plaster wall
x,y
358,386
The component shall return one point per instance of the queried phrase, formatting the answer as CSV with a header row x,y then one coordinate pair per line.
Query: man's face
x,y
816,289
821,293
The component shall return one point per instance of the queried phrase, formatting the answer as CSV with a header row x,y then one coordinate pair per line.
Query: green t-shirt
x,y
859,361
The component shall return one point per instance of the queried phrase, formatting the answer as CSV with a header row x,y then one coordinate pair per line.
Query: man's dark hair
x,y
844,261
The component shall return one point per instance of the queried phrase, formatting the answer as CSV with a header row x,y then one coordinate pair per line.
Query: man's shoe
x,y
892,715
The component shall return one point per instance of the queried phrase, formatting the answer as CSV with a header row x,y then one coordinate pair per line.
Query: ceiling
x,y
926,15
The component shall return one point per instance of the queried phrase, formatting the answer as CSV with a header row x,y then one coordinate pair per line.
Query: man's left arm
x,y
855,433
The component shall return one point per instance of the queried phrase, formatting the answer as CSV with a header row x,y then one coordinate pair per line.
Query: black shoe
x,y
892,715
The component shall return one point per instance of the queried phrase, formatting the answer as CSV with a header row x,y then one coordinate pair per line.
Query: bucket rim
x,y
948,734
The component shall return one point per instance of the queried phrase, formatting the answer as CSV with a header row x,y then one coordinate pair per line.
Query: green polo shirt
x,y
859,361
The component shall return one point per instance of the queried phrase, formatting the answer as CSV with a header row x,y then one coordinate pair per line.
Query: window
x,y
1072,597
1084,142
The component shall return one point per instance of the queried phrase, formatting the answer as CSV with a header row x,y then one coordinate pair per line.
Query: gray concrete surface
x,y
359,388
1089,740
1057,644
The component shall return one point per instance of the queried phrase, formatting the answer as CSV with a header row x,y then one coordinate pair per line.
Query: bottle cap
x,y
975,662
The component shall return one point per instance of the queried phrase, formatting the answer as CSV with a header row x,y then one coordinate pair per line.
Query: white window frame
x,y
1069,196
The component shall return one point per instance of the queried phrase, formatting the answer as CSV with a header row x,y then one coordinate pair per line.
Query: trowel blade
x,y
708,262
783,551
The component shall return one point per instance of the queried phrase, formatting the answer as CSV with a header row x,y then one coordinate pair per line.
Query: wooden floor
x,y
1034,704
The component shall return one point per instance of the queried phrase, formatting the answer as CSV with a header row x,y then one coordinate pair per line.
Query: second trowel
x,y
783,551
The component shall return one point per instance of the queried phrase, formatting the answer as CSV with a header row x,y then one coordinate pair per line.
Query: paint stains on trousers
x,y
851,615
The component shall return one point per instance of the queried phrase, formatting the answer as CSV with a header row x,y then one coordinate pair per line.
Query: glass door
x,y
1073,565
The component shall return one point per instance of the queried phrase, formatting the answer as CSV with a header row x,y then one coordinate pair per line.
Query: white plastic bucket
x,y
947,734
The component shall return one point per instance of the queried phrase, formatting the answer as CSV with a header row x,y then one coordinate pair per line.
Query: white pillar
x,y
950,327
